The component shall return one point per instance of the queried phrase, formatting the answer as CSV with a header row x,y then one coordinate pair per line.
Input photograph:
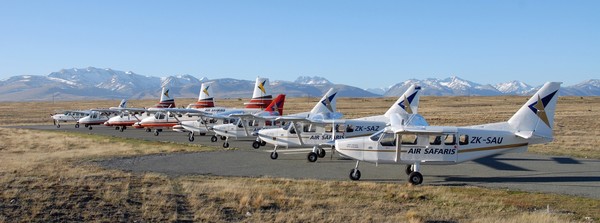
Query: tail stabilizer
x,y
260,98
276,105
166,101
123,103
327,104
205,98
407,104
536,117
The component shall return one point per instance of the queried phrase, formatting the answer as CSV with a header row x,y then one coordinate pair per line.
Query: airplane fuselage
x,y
451,145
305,134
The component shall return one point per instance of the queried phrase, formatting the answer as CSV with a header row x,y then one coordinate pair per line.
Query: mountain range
x,y
96,83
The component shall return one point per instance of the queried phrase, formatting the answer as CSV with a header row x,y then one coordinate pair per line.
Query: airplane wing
x,y
179,111
420,130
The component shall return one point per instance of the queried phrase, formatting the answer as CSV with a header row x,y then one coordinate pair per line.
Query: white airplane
x,y
100,116
246,125
260,100
126,116
446,145
316,133
69,116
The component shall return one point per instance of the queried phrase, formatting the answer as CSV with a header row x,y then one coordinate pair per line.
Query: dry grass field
x,y
51,177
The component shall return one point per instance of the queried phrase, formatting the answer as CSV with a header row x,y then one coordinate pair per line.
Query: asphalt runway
x,y
520,171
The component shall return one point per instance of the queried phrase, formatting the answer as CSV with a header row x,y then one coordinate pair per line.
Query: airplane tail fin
x,y
408,103
205,99
277,104
260,97
123,103
534,120
327,105
166,101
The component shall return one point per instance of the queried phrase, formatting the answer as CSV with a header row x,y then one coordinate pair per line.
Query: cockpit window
x,y
286,126
376,136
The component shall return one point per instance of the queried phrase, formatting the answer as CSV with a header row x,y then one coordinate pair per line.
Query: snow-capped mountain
x,y
314,80
96,83
514,87
449,86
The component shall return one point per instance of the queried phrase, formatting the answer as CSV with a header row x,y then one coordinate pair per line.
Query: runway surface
x,y
521,171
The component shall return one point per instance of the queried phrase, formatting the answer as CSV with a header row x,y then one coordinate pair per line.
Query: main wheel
x,y
156,132
148,130
408,169
86,125
77,125
57,125
274,155
321,152
225,145
202,134
312,157
255,145
117,128
122,129
223,137
191,138
90,128
213,138
415,178
354,174
263,143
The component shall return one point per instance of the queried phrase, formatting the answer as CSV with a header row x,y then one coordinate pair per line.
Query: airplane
x,y
260,100
100,116
415,145
246,125
316,133
69,116
127,116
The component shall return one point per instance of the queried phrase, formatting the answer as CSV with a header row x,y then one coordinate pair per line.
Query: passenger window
x,y
463,140
409,139
388,139
328,128
308,128
449,139
349,128
435,140
340,128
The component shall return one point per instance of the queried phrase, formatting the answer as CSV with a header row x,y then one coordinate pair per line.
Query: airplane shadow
x,y
525,179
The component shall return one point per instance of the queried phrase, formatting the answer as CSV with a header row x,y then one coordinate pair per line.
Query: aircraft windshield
x,y
376,136
287,126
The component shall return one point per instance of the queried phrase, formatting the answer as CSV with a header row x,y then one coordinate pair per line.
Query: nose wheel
x,y
354,174
255,144
213,138
191,137
274,154
415,178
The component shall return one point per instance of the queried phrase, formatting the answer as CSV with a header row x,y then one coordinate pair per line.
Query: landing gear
x,y
263,143
355,173
316,153
415,178
408,169
274,153
213,138
156,132
90,127
86,125
77,125
117,128
122,128
255,144
321,153
223,137
57,125
202,134
312,157
191,137
148,130
225,144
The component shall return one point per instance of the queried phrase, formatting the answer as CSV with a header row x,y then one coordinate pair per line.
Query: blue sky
x,y
361,43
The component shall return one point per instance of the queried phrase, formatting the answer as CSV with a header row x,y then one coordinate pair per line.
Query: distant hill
x,y
97,83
